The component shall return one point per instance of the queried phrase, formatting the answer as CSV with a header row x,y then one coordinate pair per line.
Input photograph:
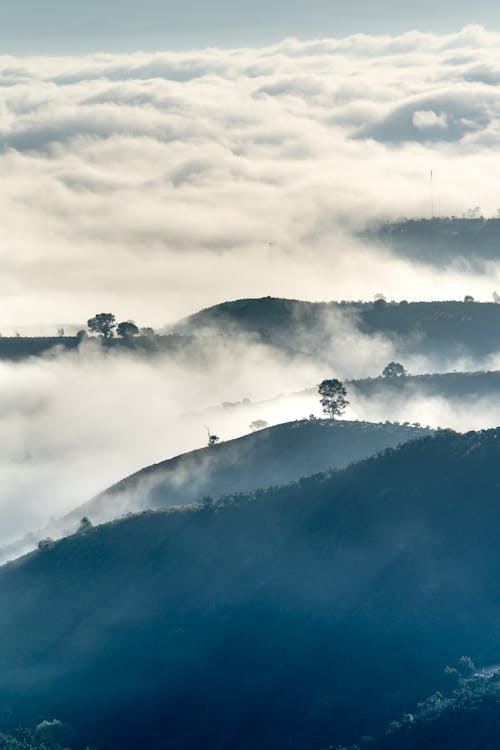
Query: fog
x,y
154,184
74,423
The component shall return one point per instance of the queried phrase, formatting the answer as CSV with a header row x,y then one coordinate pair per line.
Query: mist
x,y
74,423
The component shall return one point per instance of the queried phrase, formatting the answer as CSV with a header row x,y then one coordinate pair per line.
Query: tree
x,y
85,525
212,439
468,298
46,543
333,397
394,370
127,329
148,332
102,323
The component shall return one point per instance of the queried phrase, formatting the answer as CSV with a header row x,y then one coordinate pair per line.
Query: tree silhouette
x,y
212,438
394,370
85,525
333,397
103,324
127,329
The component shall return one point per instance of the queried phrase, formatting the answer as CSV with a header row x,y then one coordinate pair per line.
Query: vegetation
x,y
127,329
47,735
103,323
441,241
468,719
438,330
333,398
304,616
283,453
394,370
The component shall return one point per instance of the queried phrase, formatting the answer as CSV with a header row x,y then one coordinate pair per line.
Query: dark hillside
x,y
450,385
265,458
301,617
435,329
17,348
444,241
467,720
432,328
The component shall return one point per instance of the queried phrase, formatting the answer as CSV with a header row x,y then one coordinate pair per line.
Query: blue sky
x,y
65,26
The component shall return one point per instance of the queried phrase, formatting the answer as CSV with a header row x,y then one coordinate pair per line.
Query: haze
x,y
29,26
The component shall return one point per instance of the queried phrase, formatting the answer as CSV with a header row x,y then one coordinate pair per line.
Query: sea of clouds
x,y
155,184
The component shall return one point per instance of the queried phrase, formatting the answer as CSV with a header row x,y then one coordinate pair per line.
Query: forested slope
x,y
304,616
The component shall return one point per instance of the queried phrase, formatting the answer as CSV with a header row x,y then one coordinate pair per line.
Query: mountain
x,y
304,616
268,457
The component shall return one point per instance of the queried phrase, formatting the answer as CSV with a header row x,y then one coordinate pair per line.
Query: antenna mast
x,y
432,194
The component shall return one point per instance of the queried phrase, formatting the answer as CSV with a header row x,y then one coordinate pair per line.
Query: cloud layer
x,y
154,184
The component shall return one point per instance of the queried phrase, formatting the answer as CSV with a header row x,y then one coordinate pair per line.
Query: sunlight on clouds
x,y
130,177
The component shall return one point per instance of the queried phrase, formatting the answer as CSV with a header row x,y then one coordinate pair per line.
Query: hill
x,y
439,330
268,457
444,241
449,385
17,348
302,616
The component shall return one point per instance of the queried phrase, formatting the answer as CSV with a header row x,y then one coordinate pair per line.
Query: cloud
x,y
136,181
425,118
153,185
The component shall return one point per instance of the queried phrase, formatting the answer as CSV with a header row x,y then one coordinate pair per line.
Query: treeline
x,y
469,719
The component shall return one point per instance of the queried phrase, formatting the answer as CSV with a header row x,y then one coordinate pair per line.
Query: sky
x,y
70,27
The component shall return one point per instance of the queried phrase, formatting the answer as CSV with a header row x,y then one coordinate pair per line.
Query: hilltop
x,y
302,616
434,329
438,330
268,457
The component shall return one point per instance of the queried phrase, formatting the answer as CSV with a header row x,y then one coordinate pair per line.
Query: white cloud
x,y
135,181
427,118
155,184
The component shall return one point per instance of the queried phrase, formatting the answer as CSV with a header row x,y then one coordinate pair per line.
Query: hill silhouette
x,y
303,616
268,457
449,385
434,329
444,241
440,330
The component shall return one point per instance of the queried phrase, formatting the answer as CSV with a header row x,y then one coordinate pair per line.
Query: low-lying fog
x,y
76,422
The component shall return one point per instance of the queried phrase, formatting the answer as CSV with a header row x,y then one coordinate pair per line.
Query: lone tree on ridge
x,y
333,397
103,324
394,370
